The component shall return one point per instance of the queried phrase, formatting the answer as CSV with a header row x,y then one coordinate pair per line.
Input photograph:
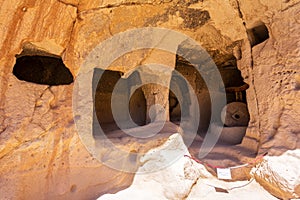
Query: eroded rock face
x,y
285,104
174,181
38,137
280,174
273,100
183,179
41,156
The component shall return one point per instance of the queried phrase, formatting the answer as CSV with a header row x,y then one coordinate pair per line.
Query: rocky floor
x,y
185,179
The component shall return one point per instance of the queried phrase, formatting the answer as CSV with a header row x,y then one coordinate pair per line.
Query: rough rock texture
x,y
38,138
184,179
45,148
270,69
174,181
280,174
41,156
210,189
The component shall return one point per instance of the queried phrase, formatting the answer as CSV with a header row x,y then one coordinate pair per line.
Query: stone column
x,y
157,100
156,80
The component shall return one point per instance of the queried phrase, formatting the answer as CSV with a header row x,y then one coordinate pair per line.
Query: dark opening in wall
x,y
179,97
137,107
234,115
44,70
104,83
103,93
258,34
235,86
174,108
137,101
191,76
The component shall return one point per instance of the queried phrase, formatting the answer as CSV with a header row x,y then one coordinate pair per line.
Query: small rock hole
x,y
258,34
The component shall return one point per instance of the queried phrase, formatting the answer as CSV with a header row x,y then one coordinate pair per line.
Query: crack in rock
x,y
69,4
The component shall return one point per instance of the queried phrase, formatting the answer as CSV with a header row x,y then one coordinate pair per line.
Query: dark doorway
x,y
104,83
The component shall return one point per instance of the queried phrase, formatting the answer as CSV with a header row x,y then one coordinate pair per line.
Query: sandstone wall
x,y
271,68
41,156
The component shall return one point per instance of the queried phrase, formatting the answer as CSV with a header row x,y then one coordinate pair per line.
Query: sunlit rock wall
x,y
41,155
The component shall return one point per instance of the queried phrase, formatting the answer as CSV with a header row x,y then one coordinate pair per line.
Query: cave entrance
x,y
192,76
234,84
234,116
42,69
104,82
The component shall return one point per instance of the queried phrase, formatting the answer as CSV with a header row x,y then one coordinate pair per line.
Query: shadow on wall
x,y
179,106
